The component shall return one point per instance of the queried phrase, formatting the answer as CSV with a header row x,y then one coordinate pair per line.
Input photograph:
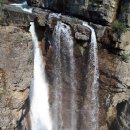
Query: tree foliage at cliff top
x,y
120,27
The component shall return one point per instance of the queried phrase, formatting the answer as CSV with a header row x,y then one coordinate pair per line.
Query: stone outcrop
x,y
97,11
15,16
44,18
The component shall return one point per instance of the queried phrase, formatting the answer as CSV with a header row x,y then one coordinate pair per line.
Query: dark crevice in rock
x,y
39,30
89,20
120,107
114,125
115,84
110,76
122,10
109,43
24,117
119,8
121,121
16,1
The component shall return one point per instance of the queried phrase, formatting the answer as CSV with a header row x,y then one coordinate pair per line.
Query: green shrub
x,y
125,57
123,10
119,27
29,61
19,38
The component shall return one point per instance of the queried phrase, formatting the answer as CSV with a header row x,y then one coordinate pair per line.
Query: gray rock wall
x,y
98,11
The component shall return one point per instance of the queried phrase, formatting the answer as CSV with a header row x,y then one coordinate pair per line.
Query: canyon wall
x,y
109,18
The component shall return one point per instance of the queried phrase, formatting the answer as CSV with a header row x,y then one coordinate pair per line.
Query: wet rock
x,y
20,18
80,36
100,30
41,16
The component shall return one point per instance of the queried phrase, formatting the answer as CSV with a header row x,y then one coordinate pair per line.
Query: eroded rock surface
x,y
16,65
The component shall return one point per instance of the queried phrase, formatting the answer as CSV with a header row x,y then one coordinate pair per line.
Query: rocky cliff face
x,y
97,11
16,65
110,20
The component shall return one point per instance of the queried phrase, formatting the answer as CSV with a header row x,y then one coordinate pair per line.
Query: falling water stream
x,y
40,115
93,110
39,105
64,47
41,119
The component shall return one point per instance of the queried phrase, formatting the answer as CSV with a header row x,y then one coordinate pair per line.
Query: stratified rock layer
x,y
98,11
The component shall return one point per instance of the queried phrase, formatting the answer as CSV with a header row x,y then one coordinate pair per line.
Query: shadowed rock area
x,y
98,11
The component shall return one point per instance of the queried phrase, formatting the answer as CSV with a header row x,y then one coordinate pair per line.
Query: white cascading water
x,y
70,48
93,97
40,115
39,105
57,105
63,31
24,6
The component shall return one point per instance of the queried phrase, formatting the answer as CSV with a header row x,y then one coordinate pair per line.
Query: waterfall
x,y
24,6
64,78
63,50
57,107
93,104
39,105
40,116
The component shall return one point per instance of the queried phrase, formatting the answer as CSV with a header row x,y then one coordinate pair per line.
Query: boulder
x,y
16,16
